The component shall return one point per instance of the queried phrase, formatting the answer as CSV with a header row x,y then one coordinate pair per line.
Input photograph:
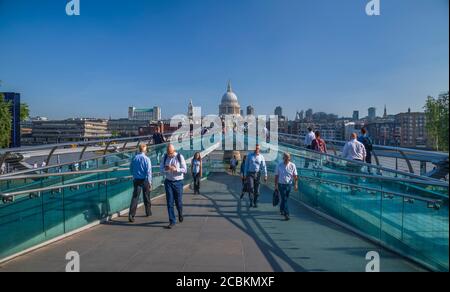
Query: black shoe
x,y
149,213
181,218
286,217
131,219
255,205
170,226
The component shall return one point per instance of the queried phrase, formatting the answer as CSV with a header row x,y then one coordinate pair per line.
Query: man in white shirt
x,y
310,137
354,150
285,176
173,166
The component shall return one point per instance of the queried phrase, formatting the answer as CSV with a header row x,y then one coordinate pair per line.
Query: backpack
x,y
320,146
178,158
367,142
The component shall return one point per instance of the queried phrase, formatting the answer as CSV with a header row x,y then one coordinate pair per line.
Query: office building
x,y
144,114
355,115
413,129
372,114
14,99
125,127
71,130
250,111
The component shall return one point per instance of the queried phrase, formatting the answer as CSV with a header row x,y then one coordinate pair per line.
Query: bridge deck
x,y
219,234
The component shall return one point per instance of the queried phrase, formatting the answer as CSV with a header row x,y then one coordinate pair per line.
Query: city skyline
x,y
154,53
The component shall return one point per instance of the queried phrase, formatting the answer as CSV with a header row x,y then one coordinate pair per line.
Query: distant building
x,y
384,132
355,115
413,129
250,111
372,114
163,126
278,111
14,99
125,127
230,103
71,130
309,115
144,114
299,116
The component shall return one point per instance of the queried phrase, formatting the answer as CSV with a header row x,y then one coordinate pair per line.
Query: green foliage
x,y
5,123
24,112
436,111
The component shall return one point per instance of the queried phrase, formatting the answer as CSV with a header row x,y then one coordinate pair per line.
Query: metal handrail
x,y
361,175
427,200
58,187
397,194
83,143
71,163
60,174
381,168
14,194
381,147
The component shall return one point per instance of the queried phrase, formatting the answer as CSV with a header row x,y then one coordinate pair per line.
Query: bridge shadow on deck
x,y
220,233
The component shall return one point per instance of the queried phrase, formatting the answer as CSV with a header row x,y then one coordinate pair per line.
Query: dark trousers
x,y
369,161
307,161
197,180
144,186
254,183
174,196
285,191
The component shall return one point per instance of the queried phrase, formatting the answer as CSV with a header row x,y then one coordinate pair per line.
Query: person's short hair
x,y
286,155
364,130
142,147
317,134
310,129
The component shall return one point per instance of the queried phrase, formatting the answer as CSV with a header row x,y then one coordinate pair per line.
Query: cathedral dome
x,y
230,102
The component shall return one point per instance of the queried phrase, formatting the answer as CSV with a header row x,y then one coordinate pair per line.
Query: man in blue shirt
x,y
255,165
141,169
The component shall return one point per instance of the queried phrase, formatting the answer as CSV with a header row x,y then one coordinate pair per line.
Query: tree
x,y
436,111
5,122
24,112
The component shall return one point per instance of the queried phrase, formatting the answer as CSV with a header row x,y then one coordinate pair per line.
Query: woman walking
x,y
197,172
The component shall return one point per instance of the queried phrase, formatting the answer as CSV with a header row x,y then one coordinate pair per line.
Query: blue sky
x,y
321,54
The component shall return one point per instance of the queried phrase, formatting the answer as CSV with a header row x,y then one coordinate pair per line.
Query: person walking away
x,y
141,169
197,172
173,166
255,166
354,151
365,139
158,139
318,144
285,176
233,165
309,138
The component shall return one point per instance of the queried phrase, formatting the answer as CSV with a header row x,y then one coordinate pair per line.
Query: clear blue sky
x,y
321,54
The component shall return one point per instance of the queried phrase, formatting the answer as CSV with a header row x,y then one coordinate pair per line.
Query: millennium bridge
x,y
397,207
